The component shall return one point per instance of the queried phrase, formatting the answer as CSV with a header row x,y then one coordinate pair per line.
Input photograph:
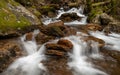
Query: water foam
x,y
78,56
78,11
112,40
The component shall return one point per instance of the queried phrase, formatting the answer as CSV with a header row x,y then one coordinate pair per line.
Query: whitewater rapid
x,y
78,58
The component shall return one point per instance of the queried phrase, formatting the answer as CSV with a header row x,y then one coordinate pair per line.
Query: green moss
x,y
8,20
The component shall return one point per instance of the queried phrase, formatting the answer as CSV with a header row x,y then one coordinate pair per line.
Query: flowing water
x,y
79,57
78,11
29,64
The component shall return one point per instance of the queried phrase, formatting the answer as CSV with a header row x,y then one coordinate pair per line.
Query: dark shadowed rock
x,y
42,38
57,29
112,27
68,17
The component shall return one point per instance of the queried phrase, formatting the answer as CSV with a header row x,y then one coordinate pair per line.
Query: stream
x,y
78,62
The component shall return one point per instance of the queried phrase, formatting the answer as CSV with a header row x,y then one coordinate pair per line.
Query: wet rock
x,y
55,53
59,23
65,42
42,38
89,27
93,27
9,51
112,27
57,66
57,47
57,30
29,36
68,17
110,62
101,43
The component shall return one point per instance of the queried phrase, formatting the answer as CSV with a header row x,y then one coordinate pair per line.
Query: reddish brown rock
x,y
57,47
55,53
59,23
29,36
65,42
93,27
101,43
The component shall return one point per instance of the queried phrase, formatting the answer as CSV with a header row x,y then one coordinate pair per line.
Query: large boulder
x,y
14,16
57,29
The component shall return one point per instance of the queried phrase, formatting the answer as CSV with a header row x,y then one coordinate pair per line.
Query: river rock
x,y
93,27
112,27
29,36
101,43
56,66
68,17
59,23
9,51
42,38
110,63
57,47
57,30
65,42
60,48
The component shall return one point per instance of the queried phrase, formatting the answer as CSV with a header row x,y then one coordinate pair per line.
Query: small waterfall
x,y
78,11
112,40
78,56
30,64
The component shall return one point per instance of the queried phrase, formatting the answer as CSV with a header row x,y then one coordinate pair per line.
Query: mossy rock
x,y
14,17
